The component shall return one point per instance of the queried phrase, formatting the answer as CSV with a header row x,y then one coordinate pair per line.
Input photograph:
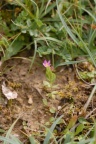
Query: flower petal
x,y
46,63
49,63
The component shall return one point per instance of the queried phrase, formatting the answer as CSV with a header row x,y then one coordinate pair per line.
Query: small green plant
x,y
51,77
89,76
10,48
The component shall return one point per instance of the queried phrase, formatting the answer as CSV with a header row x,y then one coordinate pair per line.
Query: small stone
x,y
59,107
30,100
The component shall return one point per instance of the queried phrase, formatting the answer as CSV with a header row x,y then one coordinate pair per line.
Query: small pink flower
x,y
46,63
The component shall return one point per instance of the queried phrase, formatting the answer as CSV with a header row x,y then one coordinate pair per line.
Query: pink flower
x,y
46,63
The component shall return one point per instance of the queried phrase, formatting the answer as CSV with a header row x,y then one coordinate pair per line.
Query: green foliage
x,y
61,29
90,76
51,77
10,49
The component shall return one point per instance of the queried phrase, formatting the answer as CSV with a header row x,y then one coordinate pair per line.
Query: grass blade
x,y
6,140
49,38
90,98
65,26
73,36
26,9
94,18
49,8
46,141
92,37
10,130
31,139
35,43
68,63
11,140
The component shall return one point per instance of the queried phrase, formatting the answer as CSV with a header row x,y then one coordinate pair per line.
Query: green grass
x,y
60,30
54,27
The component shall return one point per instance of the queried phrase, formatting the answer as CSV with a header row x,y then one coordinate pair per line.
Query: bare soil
x,y
71,95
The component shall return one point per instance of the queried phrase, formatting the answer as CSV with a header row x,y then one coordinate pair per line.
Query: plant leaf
x,y
46,140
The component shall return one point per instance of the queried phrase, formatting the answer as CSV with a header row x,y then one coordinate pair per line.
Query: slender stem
x,y
10,102
53,58
90,97
35,43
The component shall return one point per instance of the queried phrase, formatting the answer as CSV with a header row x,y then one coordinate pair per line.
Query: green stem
x,y
53,58
10,102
